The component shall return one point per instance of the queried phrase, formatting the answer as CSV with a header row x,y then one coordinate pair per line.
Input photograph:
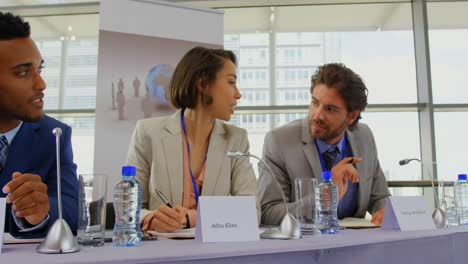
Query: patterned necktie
x,y
329,157
3,151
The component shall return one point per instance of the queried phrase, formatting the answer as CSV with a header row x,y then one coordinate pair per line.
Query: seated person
x,y
185,155
330,138
28,174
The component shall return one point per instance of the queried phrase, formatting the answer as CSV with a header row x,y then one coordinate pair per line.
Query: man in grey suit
x,y
329,139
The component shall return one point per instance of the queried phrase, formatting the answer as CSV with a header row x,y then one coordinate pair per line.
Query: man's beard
x,y
18,115
31,119
328,133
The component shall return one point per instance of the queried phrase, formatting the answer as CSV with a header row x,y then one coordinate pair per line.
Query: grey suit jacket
x,y
156,151
291,153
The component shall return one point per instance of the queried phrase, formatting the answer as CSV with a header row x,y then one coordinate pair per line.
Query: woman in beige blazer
x,y
185,155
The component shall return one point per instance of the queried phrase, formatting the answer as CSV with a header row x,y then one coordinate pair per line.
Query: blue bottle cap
x,y
129,171
462,177
326,176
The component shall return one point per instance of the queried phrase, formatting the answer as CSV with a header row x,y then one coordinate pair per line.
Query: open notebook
x,y
181,233
9,239
356,223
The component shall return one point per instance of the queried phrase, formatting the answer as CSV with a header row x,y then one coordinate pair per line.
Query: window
x,y
448,43
378,46
451,134
383,56
82,141
70,74
80,81
51,53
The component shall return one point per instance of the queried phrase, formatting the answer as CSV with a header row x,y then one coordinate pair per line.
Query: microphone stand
x,y
289,227
60,238
439,216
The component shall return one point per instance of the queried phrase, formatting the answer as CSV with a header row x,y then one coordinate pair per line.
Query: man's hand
x,y
28,196
165,219
344,171
378,217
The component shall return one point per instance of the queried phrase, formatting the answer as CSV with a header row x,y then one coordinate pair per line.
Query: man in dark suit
x,y
27,146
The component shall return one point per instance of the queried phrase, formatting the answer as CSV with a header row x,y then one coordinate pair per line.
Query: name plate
x,y
2,221
407,213
227,219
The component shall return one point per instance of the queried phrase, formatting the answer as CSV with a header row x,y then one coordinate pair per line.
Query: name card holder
x,y
227,219
407,213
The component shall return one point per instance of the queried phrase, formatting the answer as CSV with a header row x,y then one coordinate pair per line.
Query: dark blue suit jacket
x,y
33,151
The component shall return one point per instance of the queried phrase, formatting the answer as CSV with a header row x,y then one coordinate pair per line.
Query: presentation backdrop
x,y
140,44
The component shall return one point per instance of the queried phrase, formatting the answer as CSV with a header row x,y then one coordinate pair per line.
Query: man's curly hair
x,y
347,83
12,27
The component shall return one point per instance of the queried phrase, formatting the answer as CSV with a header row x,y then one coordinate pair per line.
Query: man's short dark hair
x,y
12,27
199,66
348,84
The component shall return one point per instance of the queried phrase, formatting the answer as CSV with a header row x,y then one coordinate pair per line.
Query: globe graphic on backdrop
x,y
157,80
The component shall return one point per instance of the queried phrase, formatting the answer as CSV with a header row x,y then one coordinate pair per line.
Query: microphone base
x,y
440,218
288,229
59,240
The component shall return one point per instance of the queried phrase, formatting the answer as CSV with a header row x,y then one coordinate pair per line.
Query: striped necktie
x,y
3,151
329,156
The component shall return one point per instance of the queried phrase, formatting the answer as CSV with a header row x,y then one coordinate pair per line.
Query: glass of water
x,y
305,199
92,209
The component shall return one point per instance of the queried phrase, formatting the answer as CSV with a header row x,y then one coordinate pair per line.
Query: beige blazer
x,y
156,151
291,153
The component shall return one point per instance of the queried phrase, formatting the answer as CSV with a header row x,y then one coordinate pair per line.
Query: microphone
x,y
439,216
57,133
289,227
60,238
406,161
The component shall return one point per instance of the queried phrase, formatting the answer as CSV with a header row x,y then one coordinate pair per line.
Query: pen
x,y
149,238
163,198
143,238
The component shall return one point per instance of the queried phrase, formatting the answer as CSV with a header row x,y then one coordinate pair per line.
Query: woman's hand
x,y
165,219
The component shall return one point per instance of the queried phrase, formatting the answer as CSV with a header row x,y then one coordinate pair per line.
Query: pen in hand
x,y
168,204
163,198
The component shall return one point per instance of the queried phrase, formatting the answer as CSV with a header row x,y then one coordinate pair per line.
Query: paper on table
x,y
356,223
181,233
9,239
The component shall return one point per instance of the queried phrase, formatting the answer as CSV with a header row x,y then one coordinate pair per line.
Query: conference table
x,y
439,246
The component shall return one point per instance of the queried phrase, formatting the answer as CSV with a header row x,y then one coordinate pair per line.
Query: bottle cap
x,y
129,171
326,176
462,177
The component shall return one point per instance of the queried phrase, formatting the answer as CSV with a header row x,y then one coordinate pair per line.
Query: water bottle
x,y
461,197
447,204
127,204
452,215
326,197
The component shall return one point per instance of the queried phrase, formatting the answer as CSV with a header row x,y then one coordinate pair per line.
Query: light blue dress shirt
x,y
347,206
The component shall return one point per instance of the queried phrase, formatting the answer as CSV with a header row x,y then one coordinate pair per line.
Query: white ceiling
x,y
204,3
48,21
41,2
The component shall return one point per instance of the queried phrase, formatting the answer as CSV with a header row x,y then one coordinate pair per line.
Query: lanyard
x,y
194,184
322,161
